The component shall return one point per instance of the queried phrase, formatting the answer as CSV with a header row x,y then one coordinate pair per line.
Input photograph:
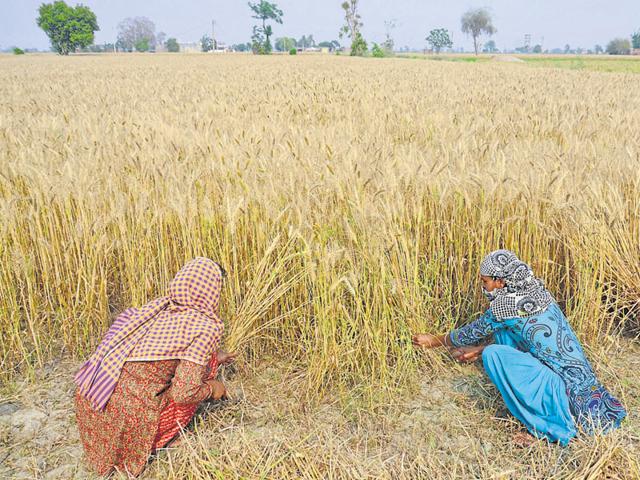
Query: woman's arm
x,y
475,332
188,385
468,335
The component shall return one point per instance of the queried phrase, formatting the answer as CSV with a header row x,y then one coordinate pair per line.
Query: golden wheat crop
x,y
351,200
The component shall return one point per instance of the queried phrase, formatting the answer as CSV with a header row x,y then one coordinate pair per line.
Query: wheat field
x,y
351,201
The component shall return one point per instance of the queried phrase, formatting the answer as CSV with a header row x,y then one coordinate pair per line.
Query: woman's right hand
x,y
426,340
218,389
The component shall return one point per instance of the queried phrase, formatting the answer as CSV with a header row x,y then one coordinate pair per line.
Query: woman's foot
x,y
523,439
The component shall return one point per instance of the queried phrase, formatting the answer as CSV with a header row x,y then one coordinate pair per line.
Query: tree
x,y
18,51
67,27
138,33
619,46
172,45
490,47
332,45
567,48
377,51
306,42
285,44
388,44
206,43
635,40
264,11
142,45
352,28
537,49
598,49
161,38
476,22
438,39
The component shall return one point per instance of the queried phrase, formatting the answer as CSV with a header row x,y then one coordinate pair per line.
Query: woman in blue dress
x,y
535,360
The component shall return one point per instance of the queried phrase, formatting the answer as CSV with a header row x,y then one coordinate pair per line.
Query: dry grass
x,y
351,200
440,428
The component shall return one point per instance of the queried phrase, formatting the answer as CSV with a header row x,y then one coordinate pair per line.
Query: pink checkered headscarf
x,y
181,326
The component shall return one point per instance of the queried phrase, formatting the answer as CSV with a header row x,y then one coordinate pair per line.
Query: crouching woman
x,y
535,360
152,364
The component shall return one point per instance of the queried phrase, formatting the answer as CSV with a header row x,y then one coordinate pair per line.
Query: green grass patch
x,y
600,63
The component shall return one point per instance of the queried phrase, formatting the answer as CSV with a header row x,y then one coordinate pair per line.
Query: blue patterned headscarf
x,y
523,295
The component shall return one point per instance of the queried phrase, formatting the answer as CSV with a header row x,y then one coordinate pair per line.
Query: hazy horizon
x,y
577,23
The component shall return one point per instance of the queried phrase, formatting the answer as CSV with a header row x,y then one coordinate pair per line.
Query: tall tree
x,y
388,44
438,39
206,43
161,37
619,46
635,40
476,22
353,24
332,45
490,47
264,11
136,33
306,42
67,27
285,44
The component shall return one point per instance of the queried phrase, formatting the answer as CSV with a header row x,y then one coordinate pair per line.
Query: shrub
x,y
293,51
18,51
377,51
172,45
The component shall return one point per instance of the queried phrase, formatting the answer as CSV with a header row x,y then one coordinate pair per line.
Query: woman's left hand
x,y
226,358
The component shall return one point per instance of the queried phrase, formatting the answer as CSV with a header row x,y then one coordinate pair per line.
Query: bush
x,y
18,51
619,46
172,45
293,51
377,51
358,46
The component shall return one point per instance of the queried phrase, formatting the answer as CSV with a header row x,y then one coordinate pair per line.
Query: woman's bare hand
x,y
467,354
226,358
426,340
218,389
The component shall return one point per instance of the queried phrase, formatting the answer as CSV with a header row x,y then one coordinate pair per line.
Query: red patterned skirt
x,y
175,417
137,420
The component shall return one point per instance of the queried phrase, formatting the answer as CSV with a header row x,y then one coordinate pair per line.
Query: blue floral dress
x,y
539,367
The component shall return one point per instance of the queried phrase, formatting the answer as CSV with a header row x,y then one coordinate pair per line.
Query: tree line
x,y
72,28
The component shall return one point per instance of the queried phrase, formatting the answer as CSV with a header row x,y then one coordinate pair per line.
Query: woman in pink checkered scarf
x,y
153,368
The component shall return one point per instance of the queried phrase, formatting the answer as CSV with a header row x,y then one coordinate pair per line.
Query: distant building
x,y
221,48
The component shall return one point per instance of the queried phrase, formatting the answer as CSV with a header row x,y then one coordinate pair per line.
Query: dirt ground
x,y
452,425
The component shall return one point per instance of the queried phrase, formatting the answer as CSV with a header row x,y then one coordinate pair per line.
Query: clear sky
x,y
579,23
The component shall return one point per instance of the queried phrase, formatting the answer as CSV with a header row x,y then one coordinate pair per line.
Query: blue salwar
x,y
541,371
